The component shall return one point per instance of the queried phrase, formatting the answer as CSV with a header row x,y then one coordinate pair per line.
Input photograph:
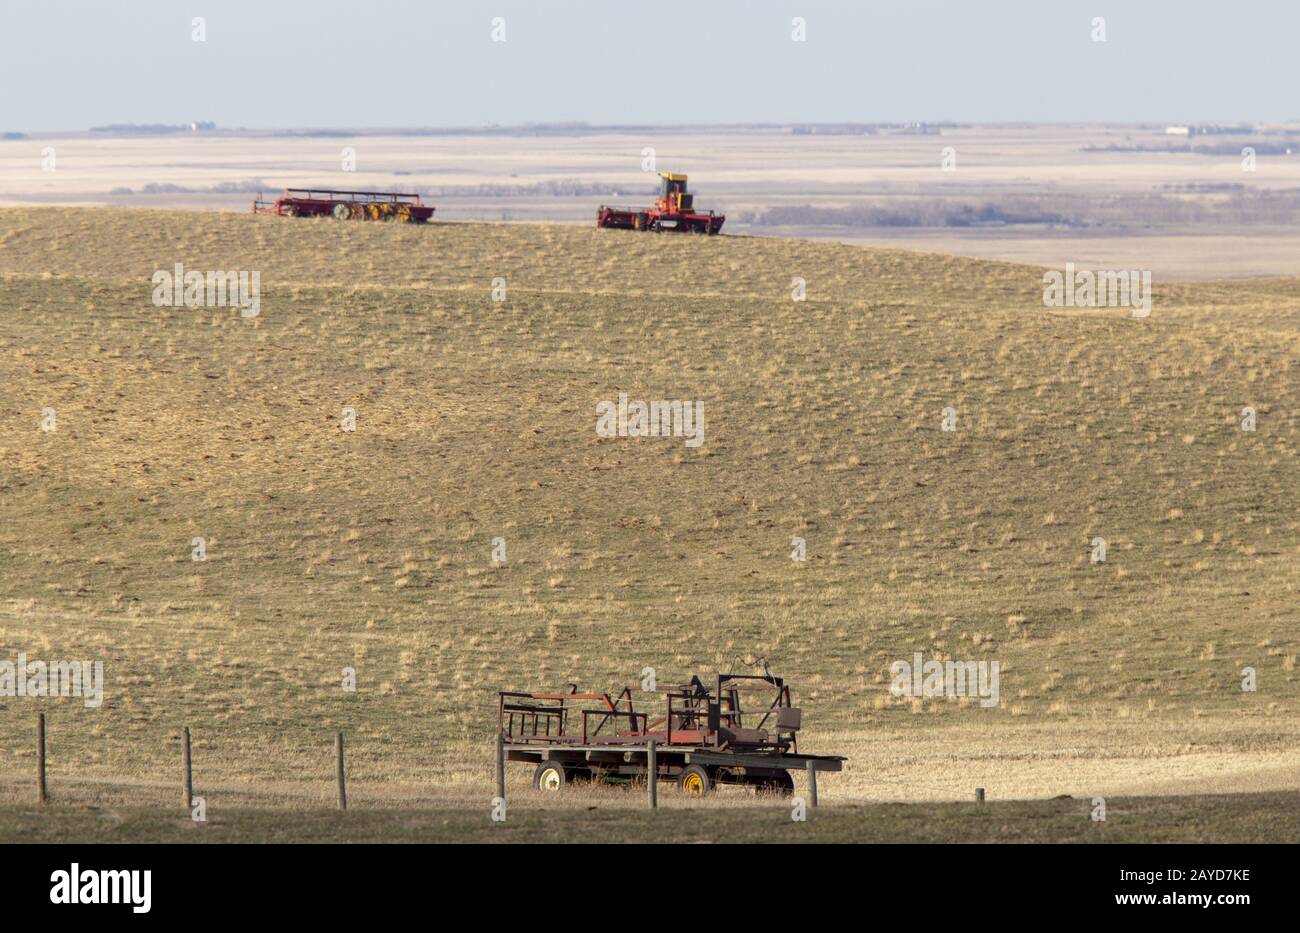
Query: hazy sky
x,y
71,64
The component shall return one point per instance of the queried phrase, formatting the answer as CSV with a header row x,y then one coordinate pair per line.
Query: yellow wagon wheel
x,y
404,213
358,211
374,212
694,781
549,777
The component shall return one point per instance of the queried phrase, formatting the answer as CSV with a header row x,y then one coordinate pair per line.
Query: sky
x,y
73,64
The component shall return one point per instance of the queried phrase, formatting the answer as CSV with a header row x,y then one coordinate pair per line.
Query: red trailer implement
x,y
347,205
742,731
675,210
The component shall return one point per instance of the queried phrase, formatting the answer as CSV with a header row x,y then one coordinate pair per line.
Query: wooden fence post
x,y
41,795
501,766
187,770
812,784
338,755
652,774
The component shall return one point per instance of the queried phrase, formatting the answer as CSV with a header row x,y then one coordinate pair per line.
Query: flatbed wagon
x,y
347,205
740,730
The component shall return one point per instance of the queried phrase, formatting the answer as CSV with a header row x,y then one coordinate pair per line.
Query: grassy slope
x,y
372,550
1231,818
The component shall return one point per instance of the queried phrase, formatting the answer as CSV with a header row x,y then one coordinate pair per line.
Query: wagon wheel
x,y
373,211
694,781
357,211
404,213
290,211
341,212
550,777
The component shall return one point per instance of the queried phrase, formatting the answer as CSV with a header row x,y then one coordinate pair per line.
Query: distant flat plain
x,y
744,172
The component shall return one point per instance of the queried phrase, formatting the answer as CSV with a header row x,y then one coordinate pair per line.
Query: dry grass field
x,y
476,420
1242,818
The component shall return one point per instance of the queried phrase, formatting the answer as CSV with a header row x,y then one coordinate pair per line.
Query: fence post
x,y
652,774
187,769
501,766
343,787
812,784
979,795
41,795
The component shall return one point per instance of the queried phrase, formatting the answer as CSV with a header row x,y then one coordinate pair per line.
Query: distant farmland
x,y
1117,195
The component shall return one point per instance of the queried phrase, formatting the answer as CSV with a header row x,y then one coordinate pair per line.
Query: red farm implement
x,y
347,205
675,210
739,730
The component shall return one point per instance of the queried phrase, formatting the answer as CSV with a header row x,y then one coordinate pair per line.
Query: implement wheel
x,y
550,777
694,781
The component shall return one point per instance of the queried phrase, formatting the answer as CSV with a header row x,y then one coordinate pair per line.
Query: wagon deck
x,y
615,758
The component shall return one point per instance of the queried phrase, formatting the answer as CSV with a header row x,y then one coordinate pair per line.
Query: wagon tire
x,y
550,777
342,212
694,781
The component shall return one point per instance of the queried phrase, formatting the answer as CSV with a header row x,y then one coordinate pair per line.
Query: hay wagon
x,y
347,205
742,729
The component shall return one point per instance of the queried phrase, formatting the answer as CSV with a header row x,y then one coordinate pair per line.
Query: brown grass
x,y
372,549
